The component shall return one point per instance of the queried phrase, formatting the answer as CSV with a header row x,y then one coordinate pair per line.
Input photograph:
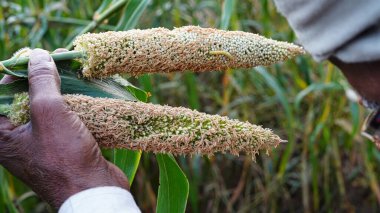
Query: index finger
x,y
44,79
8,79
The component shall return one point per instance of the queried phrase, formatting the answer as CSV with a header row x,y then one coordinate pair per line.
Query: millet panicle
x,y
160,129
160,50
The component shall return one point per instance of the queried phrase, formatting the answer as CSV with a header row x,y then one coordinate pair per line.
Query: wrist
x,y
105,175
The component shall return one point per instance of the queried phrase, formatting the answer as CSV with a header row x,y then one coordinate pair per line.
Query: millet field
x,y
320,164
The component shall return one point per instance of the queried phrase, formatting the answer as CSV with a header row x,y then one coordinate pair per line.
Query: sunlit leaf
x,y
132,13
174,186
314,88
128,162
227,11
135,91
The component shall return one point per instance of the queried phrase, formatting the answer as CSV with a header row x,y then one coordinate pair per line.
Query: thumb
x,y
44,88
5,124
44,81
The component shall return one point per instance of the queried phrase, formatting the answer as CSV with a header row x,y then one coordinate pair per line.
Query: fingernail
x,y
39,56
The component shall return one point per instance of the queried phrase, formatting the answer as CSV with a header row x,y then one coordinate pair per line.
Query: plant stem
x,y
97,20
16,61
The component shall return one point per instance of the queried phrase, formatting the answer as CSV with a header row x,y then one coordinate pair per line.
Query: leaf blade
x,y
128,161
174,186
133,11
227,11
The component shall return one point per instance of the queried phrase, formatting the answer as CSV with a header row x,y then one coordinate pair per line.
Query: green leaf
x,y
95,88
273,83
36,35
174,186
314,88
192,92
128,162
6,203
72,84
8,90
145,82
279,90
105,4
227,11
132,14
135,91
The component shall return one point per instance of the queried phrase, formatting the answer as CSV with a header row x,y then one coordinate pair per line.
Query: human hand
x,y
54,154
364,77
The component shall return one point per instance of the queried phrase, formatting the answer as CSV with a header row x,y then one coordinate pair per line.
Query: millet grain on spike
x,y
160,50
162,129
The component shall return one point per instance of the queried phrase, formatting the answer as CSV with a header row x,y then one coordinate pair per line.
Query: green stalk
x,y
97,20
23,60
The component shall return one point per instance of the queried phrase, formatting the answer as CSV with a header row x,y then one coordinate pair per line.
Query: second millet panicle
x,y
161,129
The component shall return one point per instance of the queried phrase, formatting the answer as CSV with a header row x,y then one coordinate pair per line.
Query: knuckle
x,y
5,123
42,80
6,148
4,136
45,68
12,144
46,104
44,73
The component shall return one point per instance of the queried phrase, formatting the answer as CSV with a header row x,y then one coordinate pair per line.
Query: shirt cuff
x,y
100,200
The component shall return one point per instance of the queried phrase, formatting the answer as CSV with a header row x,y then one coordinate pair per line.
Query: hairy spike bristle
x,y
160,50
19,110
161,129
25,51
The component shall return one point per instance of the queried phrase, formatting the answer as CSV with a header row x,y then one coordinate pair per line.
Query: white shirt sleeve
x,y
100,200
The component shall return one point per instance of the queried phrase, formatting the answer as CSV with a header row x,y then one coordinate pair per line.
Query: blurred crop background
x,y
326,166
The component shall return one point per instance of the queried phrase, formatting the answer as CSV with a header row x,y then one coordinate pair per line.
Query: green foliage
x,y
326,166
173,184
71,84
128,161
8,90
131,14
6,203
227,12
